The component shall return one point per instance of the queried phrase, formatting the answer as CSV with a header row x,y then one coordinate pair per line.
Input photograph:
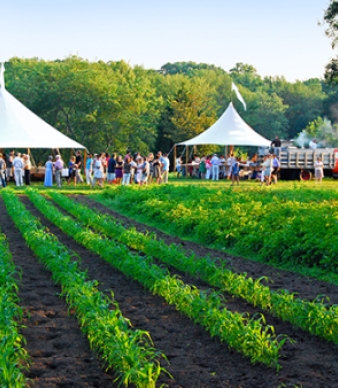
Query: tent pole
x,y
174,162
84,160
186,161
31,157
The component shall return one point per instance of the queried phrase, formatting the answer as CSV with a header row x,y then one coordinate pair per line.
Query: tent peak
x,y
229,129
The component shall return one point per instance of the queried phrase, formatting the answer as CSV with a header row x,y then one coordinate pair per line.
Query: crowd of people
x,y
218,167
98,169
16,166
127,169
137,169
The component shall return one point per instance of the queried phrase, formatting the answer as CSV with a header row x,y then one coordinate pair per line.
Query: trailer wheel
x,y
305,175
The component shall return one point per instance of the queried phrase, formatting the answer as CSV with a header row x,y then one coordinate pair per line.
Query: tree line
x,y
112,106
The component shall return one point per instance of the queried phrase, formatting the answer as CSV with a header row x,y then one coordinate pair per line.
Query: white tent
x,y
21,128
230,129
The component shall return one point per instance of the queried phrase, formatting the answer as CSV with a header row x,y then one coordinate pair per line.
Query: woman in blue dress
x,y
49,172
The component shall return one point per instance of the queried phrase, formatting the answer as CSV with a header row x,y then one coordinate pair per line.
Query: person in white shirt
x,y
18,168
313,144
178,166
165,168
319,170
222,166
215,167
230,162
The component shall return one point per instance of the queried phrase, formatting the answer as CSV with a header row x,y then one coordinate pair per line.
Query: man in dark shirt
x,y
276,145
111,169
9,166
276,142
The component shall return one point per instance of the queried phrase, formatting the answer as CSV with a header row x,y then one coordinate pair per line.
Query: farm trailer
x,y
298,163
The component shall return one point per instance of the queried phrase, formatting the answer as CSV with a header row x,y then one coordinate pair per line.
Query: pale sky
x,y
279,38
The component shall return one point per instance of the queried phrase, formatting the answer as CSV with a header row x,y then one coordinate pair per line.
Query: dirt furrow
x,y
196,359
60,355
307,288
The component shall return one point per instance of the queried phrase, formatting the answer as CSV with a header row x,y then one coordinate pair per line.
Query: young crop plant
x,y
130,352
249,336
248,223
14,359
311,316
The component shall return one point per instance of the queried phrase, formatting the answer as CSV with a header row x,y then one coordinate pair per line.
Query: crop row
x,y
247,335
14,358
314,316
268,225
130,352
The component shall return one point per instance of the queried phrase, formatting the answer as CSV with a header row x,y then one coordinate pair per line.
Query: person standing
x,y
58,166
127,156
208,167
165,168
89,169
230,161
98,171
235,171
267,167
111,175
157,169
202,169
313,144
178,166
133,168
9,165
150,160
276,145
126,171
27,165
119,169
275,167
49,172
18,169
215,167
2,171
222,163
78,162
319,170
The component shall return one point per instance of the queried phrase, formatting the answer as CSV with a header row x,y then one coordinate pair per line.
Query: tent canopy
x,y
229,129
21,128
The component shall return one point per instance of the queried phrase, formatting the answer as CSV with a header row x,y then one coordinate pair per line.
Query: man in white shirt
x,y
165,168
18,168
313,144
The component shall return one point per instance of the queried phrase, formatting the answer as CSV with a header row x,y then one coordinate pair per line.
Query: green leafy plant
x,y
14,359
248,336
313,316
130,352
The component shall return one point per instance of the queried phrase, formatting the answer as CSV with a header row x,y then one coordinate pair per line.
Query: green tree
x,y
104,106
304,101
266,114
331,19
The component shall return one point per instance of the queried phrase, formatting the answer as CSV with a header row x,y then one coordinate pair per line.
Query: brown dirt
x,y
61,356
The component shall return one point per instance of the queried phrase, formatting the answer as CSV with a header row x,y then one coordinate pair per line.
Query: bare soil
x,y
61,356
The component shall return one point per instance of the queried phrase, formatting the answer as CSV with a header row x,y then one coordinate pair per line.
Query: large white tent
x,y
21,128
229,130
